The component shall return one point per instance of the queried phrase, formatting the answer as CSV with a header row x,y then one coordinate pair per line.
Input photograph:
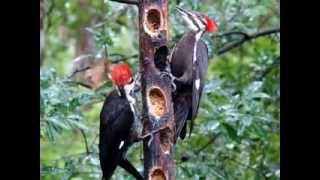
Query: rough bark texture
x,y
156,91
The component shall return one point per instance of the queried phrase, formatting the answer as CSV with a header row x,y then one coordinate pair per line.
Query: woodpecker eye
x,y
130,80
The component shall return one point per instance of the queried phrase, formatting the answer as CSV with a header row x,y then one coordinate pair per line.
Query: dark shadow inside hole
x,y
164,140
160,58
153,20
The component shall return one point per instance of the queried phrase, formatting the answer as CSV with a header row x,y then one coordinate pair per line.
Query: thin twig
x,y
124,58
232,33
85,140
77,71
84,85
246,37
133,2
212,140
268,69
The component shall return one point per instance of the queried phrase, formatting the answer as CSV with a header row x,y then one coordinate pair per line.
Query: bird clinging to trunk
x,y
118,124
189,65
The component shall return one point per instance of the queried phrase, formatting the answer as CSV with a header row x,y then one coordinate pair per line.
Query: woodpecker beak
x,y
190,19
182,11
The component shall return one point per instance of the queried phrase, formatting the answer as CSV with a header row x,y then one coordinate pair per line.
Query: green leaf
x,y
231,132
58,122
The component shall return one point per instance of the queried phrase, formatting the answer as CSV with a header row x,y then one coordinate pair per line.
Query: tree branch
x,y
212,140
122,58
77,71
133,2
246,37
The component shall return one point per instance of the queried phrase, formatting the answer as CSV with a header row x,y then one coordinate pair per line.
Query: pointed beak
x,y
188,17
182,11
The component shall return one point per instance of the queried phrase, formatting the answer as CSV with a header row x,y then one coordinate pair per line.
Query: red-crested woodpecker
x,y
118,124
188,67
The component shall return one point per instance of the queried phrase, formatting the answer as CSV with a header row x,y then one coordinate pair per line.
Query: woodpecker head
x,y
121,75
197,22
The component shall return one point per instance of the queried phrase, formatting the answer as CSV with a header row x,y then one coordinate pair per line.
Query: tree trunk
x,y
42,15
85,41
156,91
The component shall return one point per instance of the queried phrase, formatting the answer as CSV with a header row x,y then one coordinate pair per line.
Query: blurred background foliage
x,y
237,132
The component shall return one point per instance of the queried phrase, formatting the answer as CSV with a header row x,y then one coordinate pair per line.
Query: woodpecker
x,y
188,68
118,125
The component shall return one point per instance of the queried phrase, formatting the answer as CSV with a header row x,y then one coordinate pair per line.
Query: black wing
x,y
125,164
181,61
200,70
182,104
116,119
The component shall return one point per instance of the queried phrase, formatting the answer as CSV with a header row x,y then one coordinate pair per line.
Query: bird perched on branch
x,y
189,65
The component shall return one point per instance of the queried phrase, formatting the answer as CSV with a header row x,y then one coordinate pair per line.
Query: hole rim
x,y
157,173
146,21
151,106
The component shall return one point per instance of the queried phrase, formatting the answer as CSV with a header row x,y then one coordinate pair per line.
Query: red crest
x,y
211,25
121,74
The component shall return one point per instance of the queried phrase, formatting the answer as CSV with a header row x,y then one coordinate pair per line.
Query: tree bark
x,y
156,91
42,16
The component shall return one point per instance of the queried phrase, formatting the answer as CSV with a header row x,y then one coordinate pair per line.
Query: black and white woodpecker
x,y
119,125
189,65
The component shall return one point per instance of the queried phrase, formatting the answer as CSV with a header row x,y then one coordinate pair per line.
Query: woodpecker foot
x,y
172,78
151,134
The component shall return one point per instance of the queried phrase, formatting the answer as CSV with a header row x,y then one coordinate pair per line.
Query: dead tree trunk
x,y
156,91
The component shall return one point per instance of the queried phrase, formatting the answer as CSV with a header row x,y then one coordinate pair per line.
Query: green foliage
x,y
236,135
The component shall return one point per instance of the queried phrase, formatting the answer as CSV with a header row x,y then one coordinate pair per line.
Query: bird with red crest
x,y
121,74
118,122
188,68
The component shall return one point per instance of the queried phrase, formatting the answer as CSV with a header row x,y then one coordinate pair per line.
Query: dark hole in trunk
x,y
165,140
153,20
160,58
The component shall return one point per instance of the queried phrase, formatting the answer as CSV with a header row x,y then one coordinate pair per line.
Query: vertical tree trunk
x,y
42,16
85,41
156,91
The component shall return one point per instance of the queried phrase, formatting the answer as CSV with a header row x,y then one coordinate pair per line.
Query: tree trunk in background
x,y
85,41
156,91
42,16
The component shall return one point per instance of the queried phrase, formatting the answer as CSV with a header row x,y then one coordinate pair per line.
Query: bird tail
x,y
125,164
